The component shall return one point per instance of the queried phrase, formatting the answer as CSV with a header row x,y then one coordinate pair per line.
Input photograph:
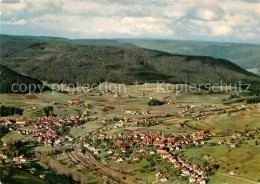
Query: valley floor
x,y
116,137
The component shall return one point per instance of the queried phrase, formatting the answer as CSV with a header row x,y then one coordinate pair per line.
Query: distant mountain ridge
x,y
59,60
245,55
41,39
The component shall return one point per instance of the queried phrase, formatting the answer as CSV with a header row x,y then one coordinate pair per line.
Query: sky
x,y
204,20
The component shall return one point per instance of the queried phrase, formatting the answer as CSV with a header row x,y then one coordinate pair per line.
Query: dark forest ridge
x,y
89,61
9,78
244,55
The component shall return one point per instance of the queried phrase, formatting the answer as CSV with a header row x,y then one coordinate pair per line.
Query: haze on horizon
x,y
204,20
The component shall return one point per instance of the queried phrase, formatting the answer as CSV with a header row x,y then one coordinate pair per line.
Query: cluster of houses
x,y
109,93
186,108
163,178
47,123
158,144
154,139
236,135
189,108
252,132
119,121
240,107
91,148
45,130
3,156
200,116
207,105
196,175
145,143
21,158
182,123
77,103
22,122
46,138
6,122
231,143
118,159
114,94
53,102
169,101
17,160
136,112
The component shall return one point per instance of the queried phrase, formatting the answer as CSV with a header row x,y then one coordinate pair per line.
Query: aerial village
x,y
128,138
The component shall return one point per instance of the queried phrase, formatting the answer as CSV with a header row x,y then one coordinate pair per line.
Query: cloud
x,y
12,6
26,9
147,25
18,22
206,13
10,1
173,19
221,30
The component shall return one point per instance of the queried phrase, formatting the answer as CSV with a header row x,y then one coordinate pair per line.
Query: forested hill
x,y
245,55
9,77
62,61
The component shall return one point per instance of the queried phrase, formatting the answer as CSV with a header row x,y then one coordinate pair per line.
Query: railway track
x,y
99,169
88,166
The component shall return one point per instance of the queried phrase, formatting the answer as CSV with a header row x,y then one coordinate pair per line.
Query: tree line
x,y
8,111
253,100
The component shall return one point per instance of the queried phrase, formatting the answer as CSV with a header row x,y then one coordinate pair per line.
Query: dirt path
x,y
239,178
132,154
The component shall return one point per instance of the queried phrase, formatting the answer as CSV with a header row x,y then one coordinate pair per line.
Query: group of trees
x,y
8,111
62,130
154,102
48,111
3,130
